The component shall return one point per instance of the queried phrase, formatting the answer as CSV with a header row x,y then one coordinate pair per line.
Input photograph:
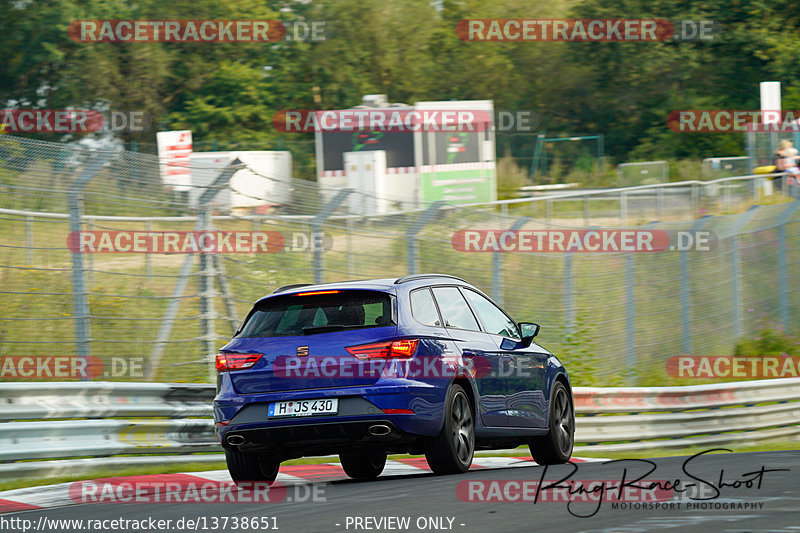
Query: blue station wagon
x,y
423,364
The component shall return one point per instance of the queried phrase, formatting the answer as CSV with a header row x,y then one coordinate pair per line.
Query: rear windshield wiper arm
x,y
310,330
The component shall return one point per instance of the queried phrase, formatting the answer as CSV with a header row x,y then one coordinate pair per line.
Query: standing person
x,y
786,161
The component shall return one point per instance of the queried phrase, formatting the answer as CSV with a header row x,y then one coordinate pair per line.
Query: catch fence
x,y
613,317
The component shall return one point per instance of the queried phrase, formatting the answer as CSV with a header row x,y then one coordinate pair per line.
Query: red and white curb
x,y
62,494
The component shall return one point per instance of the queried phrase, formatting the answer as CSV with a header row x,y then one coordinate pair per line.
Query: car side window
x,y
493,319
455,311
423,308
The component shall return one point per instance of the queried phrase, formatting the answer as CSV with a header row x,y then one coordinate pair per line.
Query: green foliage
x,y
229,92
769,342
578,349
510,177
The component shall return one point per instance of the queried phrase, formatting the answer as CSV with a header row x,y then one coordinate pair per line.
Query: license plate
x,y
328,406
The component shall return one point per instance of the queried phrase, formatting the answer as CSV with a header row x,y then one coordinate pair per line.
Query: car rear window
x,y
310,314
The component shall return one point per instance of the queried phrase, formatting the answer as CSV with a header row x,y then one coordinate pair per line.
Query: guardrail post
x,y
80,301
29,240
497,265
414,229
735,269
623,208
783,264
318,236
695,199
685,291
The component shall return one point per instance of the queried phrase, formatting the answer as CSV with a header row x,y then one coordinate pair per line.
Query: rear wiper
x,y
310,330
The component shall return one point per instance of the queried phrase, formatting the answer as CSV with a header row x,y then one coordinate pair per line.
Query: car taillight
x,y
236,361
385,350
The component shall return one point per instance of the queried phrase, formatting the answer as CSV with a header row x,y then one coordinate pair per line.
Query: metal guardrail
x,y
679,417
609,419
50,400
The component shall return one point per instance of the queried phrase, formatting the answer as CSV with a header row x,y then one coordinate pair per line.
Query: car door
x,y
524,366
474,344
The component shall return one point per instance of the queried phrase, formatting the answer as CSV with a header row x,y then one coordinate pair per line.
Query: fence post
x,y
412,231
630,321
207,334
148,262
80,302
623,208
659,202
497,265
207,292
735,269
685,291
569,294
207,270
783,264
318,236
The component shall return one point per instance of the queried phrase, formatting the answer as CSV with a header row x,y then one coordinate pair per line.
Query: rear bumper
x,y
321,438
359,409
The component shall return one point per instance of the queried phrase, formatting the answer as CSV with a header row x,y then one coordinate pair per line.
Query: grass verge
x,y
580,451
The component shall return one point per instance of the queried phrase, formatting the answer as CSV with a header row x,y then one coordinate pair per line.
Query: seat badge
x,y
302,351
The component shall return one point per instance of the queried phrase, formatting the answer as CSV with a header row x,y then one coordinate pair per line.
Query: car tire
x,y
556,447
251,467
363,465
452,450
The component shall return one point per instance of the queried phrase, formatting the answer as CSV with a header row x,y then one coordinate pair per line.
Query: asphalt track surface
x,y
757,492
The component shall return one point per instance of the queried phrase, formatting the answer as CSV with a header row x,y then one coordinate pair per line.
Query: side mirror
x,y
528,330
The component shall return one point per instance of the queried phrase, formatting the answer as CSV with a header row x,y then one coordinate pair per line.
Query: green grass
x,y
581,451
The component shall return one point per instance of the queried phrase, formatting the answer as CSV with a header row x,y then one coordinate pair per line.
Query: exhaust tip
x,y
379,430
235,440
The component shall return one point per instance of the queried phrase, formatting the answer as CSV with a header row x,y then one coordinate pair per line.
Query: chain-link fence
x,y
613,317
